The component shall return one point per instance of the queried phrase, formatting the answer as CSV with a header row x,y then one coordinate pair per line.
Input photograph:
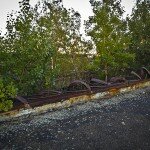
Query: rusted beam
x,y
117,80
50,92
99,81
134,73
24,101
79,82
145,72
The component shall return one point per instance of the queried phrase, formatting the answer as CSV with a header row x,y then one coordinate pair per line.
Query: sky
x,y
82,6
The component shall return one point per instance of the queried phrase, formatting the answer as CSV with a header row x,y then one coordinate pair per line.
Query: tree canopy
x,y
109,32
139,27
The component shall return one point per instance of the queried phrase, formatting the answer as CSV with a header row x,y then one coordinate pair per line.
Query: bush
x,y
7,92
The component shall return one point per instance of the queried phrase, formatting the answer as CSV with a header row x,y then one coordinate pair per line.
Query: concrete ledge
x,y
6,116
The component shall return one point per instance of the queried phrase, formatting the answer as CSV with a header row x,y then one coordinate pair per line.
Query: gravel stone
x,y
121,122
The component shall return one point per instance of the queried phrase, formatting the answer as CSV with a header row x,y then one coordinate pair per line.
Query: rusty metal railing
x,y
72,85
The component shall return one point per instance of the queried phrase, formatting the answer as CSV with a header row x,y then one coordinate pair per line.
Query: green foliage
x,y
7,92
139,26
40,44
66,38
27,51
109,32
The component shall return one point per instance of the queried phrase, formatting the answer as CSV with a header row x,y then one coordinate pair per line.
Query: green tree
x,y
109,33
63,27
139,26
29,51
77,47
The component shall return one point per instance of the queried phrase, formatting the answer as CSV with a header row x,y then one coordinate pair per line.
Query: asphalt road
x,y
119,123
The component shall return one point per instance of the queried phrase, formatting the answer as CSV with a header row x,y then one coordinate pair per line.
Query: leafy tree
x,y
64,31
29,51
139,26
109,33
77,47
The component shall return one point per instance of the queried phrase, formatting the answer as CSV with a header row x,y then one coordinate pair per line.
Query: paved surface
x,y
119,123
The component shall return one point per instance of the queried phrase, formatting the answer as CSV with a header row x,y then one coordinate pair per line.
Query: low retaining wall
x,y
6,116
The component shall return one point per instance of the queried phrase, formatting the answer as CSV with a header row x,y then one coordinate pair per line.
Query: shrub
x,y
7,93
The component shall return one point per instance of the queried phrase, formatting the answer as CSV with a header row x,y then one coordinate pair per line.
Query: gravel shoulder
x,y
121,122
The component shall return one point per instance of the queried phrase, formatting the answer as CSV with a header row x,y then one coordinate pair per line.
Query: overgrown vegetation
x,y
44,42
7,92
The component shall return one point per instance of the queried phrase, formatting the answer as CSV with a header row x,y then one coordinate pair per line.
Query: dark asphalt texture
x,y
119,123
